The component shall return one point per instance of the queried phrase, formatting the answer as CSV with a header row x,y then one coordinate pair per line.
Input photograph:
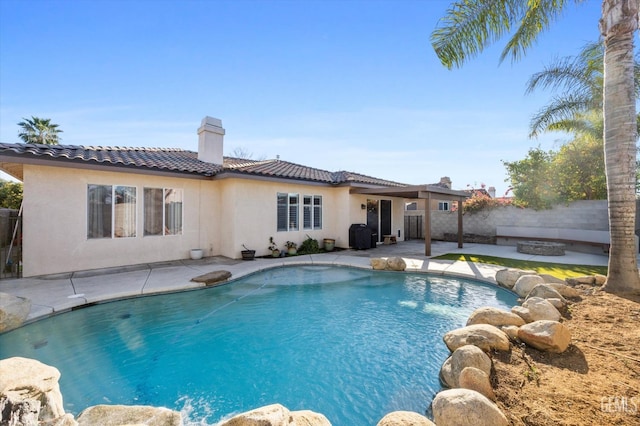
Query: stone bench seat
x,y
561,235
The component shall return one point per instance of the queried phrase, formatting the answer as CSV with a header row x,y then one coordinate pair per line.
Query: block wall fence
x,y
587,215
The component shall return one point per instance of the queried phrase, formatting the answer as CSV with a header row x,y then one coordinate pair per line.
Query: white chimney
x,y
210,140
492,191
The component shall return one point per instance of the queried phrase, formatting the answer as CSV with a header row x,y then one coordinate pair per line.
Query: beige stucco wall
x,y
219,217
55,222
250,215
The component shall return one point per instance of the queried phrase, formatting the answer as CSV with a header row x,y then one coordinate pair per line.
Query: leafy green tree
x,y
39,130
579,170
10,194
472,25
532,179
575,172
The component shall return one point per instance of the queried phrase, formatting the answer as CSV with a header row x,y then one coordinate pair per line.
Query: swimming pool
x,y
351,344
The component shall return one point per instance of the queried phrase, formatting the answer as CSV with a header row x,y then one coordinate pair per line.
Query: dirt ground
x,y
596,381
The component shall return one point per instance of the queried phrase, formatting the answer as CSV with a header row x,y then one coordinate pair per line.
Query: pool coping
x,y
55,294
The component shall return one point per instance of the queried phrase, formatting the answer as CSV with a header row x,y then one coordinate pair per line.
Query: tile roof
x,y
182,161
167,159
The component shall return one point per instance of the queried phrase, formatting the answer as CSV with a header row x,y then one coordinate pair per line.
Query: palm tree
x,y
472,25
578,109
39,130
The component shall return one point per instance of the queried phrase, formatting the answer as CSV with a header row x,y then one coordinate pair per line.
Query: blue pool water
x,y
351,344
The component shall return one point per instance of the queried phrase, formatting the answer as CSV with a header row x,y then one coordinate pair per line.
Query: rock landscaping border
x,y
535,323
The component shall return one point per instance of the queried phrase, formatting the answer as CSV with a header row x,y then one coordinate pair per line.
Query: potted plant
x,y
292,248
247,254
329,244
273,247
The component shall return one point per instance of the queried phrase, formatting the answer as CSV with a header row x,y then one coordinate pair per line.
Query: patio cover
x,y
426,193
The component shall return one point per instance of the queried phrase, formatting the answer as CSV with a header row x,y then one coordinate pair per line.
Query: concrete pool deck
x,y
59,293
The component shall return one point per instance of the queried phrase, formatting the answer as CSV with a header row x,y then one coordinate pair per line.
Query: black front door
x,y
385,218
379,218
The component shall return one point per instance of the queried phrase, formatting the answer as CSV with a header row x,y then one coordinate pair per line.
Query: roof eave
x,y
6,157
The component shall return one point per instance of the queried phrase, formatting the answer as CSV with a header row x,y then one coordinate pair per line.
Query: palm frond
x,y
562,75
536,18
582,73
577,126
470,26
561,108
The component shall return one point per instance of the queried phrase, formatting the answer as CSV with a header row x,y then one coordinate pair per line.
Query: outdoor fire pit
x,y
541,248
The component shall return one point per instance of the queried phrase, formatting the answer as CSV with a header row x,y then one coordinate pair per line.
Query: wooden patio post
x,y
427,224
460,230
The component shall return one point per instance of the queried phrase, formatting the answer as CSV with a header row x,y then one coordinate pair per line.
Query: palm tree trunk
x,y
618,24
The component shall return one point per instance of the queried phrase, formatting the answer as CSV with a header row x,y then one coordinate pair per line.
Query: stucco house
x,y
95,207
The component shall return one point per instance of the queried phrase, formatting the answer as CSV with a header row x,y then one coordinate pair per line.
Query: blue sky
x,y
339,85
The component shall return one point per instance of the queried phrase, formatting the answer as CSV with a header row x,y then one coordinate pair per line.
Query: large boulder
x,y
550,336
599,279
511,331
308,418
535,309
66,420
551,279
557,303
270,415
461,358
13,311
494,316
545,291
405,418
277,415
584,280
378,263
396,264
526,283
118,415
484,336
212,278
29,391
477,380
507,277
565,290
466,407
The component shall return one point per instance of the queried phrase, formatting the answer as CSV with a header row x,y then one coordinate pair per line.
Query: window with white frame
x,y
312,212
163,209
287,212
443,205
111,211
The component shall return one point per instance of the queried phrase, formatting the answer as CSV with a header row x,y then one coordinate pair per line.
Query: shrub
x,y
309,246
480,200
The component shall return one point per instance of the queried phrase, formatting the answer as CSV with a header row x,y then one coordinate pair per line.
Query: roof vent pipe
x,y
211,140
